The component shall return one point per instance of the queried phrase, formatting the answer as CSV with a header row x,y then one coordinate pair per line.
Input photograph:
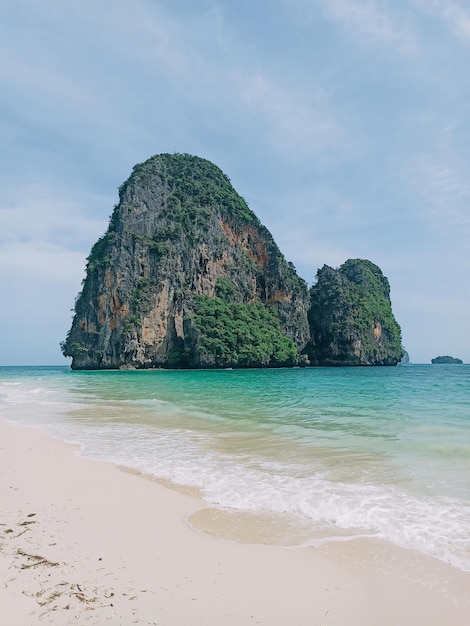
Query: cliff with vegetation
x,y
351,319
186,276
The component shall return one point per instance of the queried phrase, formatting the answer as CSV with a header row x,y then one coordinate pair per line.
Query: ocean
x,y
286,456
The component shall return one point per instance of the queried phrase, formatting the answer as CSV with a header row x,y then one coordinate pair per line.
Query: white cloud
x,y
40,260
198,59
450,193
46,235
445,189
370,19
40,212
456,15
298,120
313,227
210,62
309,253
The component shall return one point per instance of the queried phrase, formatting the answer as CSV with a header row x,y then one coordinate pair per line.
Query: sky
x,y
345,124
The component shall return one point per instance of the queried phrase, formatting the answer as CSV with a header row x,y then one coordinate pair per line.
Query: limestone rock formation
x,y
405,359
186,276
351,319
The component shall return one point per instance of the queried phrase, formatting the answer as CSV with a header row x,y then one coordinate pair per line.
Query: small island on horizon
x,y
439,360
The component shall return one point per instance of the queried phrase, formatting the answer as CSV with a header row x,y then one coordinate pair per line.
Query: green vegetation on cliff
x,y
98,256
240,335
195,186
351,318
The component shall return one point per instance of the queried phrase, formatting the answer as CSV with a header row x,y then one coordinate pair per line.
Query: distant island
x,y
446,359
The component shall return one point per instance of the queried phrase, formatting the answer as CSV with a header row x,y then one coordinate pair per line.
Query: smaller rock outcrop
x,y
439,360
405,359
351,319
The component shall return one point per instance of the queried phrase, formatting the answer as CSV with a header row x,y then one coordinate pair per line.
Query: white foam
x,y
434,526
258,471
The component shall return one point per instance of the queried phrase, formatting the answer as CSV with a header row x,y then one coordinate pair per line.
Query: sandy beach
x,y
83,542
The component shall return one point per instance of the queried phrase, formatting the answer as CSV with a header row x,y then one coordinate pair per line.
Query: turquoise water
x,y
340,452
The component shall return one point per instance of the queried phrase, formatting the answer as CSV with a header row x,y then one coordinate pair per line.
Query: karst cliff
x,y
351,317
187,276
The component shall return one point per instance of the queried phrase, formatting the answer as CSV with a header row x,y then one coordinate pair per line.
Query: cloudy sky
x,y
345,124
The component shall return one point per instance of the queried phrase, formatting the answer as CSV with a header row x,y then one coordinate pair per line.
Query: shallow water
x,y
303,455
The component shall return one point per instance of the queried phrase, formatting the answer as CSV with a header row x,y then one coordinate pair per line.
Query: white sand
x,y
82,542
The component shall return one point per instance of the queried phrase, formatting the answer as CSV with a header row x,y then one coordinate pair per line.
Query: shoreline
x,y
82,542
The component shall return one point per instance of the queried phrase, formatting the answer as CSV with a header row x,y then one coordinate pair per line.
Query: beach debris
x,y
48,599
35,559
79,592
50,583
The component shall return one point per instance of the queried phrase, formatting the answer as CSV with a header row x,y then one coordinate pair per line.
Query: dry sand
x,y
82,542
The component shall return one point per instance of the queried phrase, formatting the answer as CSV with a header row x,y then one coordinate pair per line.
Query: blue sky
x,y
345,124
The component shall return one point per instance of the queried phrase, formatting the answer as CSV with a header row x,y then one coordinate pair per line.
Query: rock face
x,y
351,319
446,360
186,276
